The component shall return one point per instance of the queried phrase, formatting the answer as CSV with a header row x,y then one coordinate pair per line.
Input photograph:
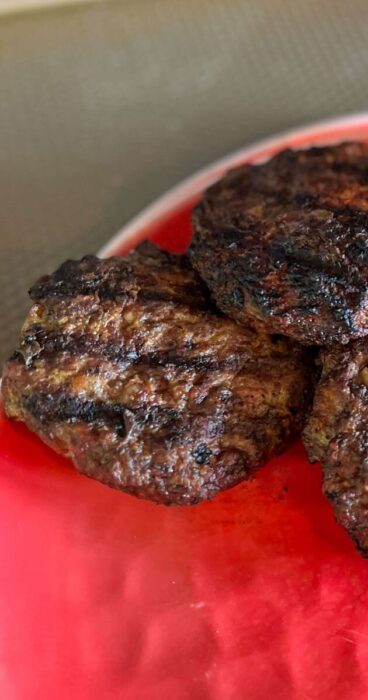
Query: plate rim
x,y
193,184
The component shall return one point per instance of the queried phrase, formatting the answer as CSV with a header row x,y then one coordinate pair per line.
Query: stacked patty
x,y
125,366
337,435
283,247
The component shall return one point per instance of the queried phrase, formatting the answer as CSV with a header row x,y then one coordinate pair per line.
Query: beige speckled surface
x,y
106,105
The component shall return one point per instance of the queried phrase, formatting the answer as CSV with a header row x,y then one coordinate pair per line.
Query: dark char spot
x,y
202,453
238,296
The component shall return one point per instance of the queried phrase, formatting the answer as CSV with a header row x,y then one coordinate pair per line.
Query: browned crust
x,y
337,435
124,366
284,245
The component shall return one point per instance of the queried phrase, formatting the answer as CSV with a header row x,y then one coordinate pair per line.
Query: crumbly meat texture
x,y
124,366
284,245
337,435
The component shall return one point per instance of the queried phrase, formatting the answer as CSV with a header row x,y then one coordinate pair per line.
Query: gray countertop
x,y
106,105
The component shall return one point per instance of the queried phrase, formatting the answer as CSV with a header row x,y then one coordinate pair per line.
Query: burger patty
x,y
337,435
284,245
124,366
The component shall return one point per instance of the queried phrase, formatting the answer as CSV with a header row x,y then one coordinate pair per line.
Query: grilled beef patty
x,y
284,245
337,435
124,366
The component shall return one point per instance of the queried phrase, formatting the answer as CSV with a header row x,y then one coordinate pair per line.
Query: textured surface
x,y
106,105
337,435
123,366
284,245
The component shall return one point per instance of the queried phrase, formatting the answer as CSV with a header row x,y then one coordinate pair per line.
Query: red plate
x,y
258,595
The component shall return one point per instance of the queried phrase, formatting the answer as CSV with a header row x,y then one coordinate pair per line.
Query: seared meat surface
x,y
124,366
337,435
285,244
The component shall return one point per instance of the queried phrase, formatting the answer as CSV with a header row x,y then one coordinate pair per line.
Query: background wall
x,y
105,105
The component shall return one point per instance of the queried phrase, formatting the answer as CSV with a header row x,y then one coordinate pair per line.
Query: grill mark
x,y
359,173
61,406
108,290
356,216
357,222
125,279
70,276
156,295
166,426
285,250
125,296
321,165
38,344
308,200
356,251
308,272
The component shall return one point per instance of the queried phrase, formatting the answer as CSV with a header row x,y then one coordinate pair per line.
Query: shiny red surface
x,y
258,595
